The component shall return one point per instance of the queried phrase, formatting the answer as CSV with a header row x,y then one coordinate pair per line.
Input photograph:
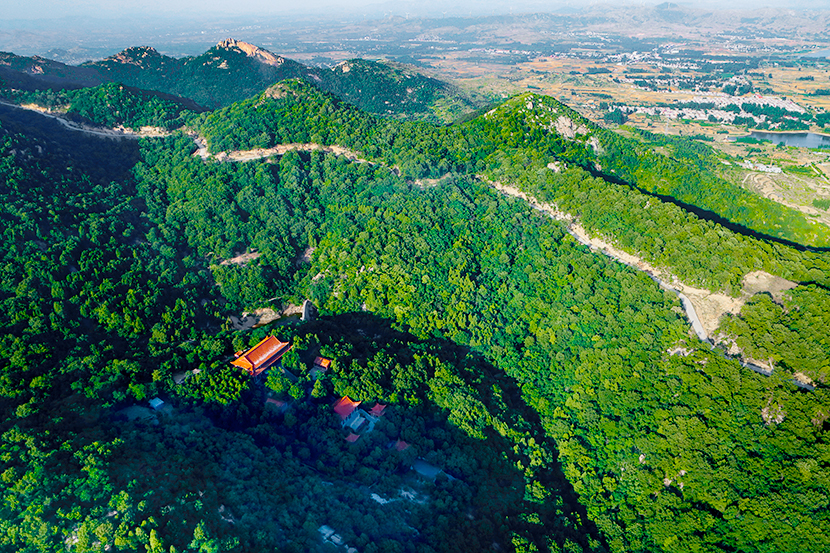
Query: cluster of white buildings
x,y
760,167
721,101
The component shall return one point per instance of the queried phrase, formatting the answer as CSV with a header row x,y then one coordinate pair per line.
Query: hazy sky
x,y
105,9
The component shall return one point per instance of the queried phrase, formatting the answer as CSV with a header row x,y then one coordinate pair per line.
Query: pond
x,y
800,139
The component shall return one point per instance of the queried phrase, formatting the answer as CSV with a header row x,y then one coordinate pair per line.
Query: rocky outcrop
x,y
279,91
263,56
309,311
567,128
137,55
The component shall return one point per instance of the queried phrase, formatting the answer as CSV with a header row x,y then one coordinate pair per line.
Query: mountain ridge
x,y
234,70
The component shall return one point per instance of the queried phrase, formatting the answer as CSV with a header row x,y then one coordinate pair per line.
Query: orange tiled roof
x,y
267,352
352,437
345,406
377,410
322,362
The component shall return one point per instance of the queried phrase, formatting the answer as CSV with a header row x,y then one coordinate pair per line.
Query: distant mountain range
x,y
232,71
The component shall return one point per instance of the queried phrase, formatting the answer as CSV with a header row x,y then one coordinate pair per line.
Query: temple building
x,y
347,409
262,356
357,420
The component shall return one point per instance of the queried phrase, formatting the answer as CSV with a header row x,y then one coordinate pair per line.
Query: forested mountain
x,y
527,125
233,71
559,395
112,105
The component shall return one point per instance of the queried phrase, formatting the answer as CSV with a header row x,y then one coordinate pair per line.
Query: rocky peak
x,y
264,56
136,55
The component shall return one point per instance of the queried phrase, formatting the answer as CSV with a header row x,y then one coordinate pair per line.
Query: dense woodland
x,y
112,105
521,132
562,393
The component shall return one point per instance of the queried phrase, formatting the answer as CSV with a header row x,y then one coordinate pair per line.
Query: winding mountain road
x,y
116,133
581,235
723,304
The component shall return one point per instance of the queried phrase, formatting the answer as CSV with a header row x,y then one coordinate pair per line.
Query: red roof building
x,y
352,437
377,410
400,445
345,407
262,356
321,366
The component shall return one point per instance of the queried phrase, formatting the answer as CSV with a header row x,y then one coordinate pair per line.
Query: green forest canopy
x,y
562,390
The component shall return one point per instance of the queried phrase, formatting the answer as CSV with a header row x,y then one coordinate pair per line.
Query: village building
x,y
262,356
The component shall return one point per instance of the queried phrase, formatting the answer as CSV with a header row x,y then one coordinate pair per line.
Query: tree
x,y
319,389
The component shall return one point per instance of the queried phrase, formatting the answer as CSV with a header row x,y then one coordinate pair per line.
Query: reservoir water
x,y
800,139
818,54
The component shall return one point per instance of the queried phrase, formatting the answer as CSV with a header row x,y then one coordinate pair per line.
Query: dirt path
x,y
117,132
703,308
281,149
427,183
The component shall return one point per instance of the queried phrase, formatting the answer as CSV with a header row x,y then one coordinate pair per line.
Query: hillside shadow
x,y
294,467
51,143
707,215
366,332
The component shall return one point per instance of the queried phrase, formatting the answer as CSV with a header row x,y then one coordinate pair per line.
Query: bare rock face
x,y
263,56
773,413
343,67
279,91
138,55
567,128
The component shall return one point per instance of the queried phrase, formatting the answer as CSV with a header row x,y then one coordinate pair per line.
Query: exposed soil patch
x,y
243,259
428,183
258,317
292,309
306,257
757,282
261,153
265,315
